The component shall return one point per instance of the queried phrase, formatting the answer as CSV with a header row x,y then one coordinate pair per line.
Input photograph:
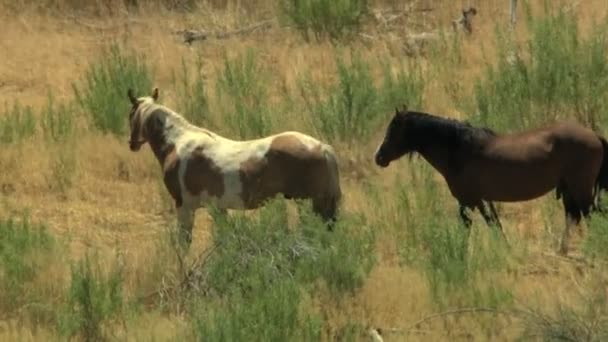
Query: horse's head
x,y
136,118
398,139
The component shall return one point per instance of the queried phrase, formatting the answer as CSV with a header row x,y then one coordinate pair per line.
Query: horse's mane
x,y
450,132
178,120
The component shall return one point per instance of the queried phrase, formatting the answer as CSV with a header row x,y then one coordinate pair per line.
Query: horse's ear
x,y
404,108
155,94
131,95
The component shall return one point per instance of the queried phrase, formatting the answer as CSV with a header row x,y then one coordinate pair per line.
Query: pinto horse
x,y
201,167
480,165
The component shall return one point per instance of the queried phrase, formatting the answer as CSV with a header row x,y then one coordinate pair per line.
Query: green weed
x,y
24,251
350,111
557,73
92,299
102,92
242,90
192,93
57,120
262,271
325,18
17,123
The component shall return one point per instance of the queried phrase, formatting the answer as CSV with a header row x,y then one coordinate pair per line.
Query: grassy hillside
x,y
86,226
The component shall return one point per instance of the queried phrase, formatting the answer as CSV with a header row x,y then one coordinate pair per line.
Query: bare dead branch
x,y
513,313
191,35
465,20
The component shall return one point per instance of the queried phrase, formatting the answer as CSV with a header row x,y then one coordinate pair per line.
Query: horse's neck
x,y
439,157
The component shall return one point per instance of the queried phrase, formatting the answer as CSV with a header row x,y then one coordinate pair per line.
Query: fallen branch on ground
x,y
193,35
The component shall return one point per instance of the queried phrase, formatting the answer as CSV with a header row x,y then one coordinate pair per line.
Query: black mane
x,y
436,130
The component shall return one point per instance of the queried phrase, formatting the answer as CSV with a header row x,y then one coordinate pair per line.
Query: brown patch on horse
x,y
289,167
202,174
171,176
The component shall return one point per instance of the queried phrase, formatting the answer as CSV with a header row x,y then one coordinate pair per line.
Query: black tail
x,y
602,179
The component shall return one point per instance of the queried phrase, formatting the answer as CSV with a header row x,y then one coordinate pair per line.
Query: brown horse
x,y
481,165
201,167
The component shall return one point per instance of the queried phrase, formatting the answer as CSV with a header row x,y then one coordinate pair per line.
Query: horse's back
x,y
295,164
528,164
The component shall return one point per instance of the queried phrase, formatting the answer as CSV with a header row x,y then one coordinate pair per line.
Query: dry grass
x,y
116,202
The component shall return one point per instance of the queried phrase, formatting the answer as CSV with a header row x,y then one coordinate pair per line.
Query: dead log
x,y
191,35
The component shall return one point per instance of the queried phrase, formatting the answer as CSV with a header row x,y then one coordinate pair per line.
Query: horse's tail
x,y
602,179
334,191
601,182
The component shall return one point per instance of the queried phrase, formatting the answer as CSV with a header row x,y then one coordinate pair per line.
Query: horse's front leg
x,y
491,217
185,219
464,216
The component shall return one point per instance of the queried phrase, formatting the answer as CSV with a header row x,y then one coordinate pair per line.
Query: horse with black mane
x,y
201,167
480,165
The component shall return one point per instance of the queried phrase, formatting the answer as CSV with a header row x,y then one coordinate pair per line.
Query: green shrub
x,y
263,269
325,18
17,123
57,120
558,72
92,299
242,90
350,111
102,92
405,86
24,251
192,94
434,240
594,244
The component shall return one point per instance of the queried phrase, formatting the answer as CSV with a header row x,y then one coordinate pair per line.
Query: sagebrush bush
x,y
333,19
403,86
596,238
17,123
102,92
433,239
192,100
94,297
556,73
242,90
349,110
262,270
57,120
24,252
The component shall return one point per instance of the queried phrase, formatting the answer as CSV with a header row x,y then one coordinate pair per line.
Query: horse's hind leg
x,y
491,217
572,215
327,208
464,216
185,218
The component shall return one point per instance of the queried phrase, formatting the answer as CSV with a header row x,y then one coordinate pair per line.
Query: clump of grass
x,y
434,240
262,273
25,251
558,72
93,298
17,123
350,112
403,86
325,18
192,93
242,90
585,321
596,238
101,93
57,120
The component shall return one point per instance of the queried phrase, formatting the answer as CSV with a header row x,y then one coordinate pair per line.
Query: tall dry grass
x,y
112,263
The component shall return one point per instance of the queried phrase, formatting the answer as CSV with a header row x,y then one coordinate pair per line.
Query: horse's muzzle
x,y
135,145
381,161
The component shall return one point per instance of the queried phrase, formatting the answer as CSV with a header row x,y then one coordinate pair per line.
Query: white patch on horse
x,y
306,140
226,154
